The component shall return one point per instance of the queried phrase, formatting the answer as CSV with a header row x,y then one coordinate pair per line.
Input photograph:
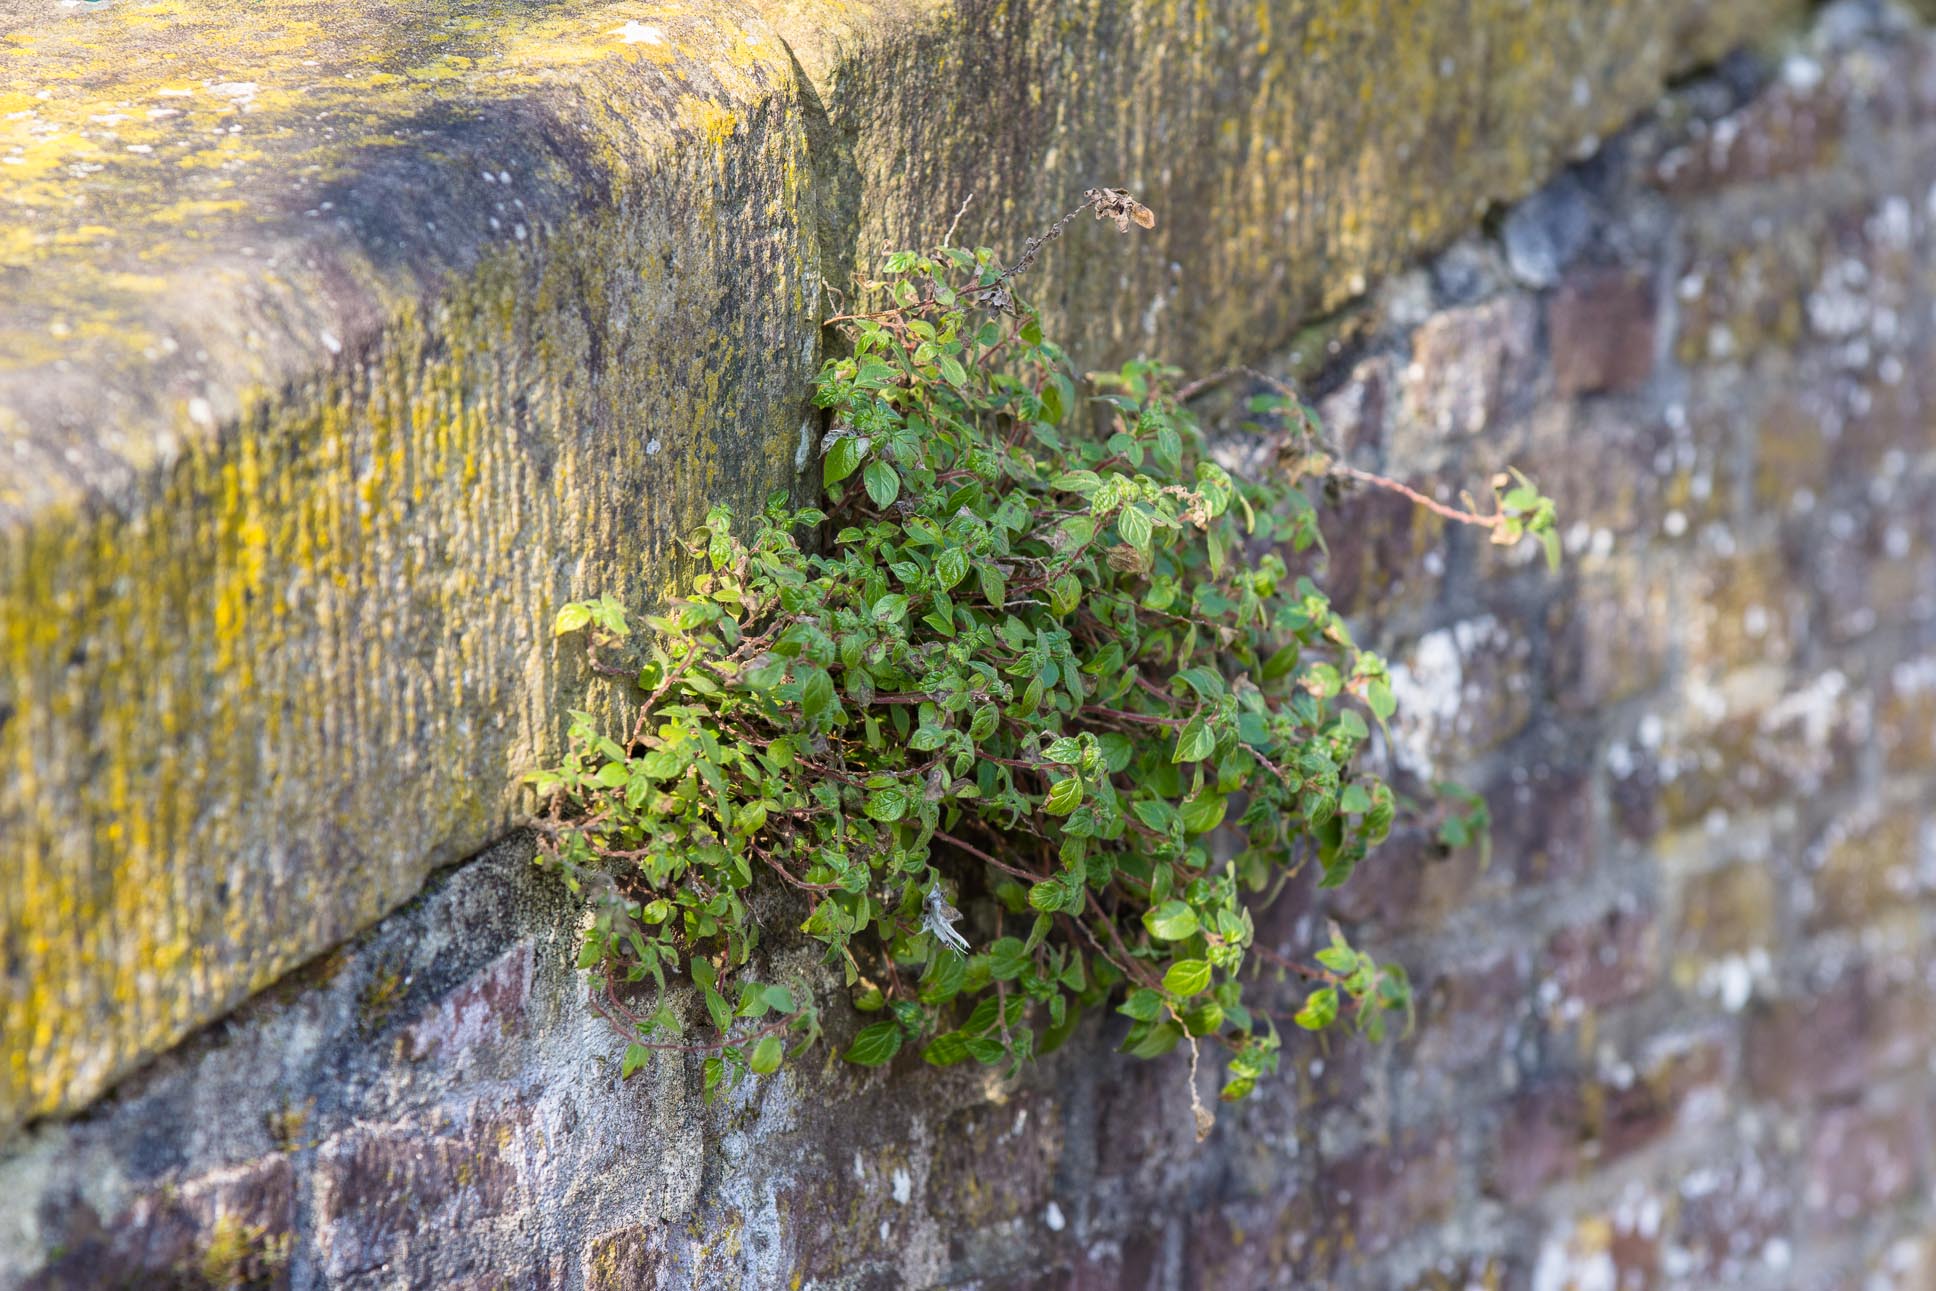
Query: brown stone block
x,y
1786,130
1635,1112
1779,739
1605,960
1742,610
477,1015
1378,560
1602,325
1826,1047
1390,1192
1634,798
1468,366
1411,883
1906,717
1010,1173
378,1189
1613,638
1793,452
1463,689
1466,1012
232,1227
1280,1243
1544,1137
1542,823
1865,868
1742,296
1862,1159
1607,466
1731,1212
1727,911
625,1259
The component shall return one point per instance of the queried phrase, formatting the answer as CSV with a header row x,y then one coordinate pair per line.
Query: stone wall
x,y
1675,1035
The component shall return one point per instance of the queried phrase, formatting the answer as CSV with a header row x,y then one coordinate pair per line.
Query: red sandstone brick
x,y
1602,324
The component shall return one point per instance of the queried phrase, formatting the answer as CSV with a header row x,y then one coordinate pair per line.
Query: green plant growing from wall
x,y
1036,654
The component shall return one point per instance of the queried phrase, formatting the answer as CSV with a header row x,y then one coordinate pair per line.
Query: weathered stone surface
x,y
336,354
341,346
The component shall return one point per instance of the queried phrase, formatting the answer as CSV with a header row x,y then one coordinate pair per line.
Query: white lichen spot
x,y
1052,1216
903,1186
240,93
201,412
652,446
1562,1267
635,32
1800,73
805,450
330,342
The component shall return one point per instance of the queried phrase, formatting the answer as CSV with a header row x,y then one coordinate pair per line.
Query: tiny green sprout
x,y
1035,652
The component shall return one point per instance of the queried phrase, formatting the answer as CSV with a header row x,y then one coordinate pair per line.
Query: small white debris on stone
x,y
1052,1216
635,32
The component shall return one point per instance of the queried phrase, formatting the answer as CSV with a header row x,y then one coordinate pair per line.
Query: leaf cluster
x,y
1037,654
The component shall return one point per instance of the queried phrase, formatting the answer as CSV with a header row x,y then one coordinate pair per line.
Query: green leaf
x,y
994,587
1064,797
951,567
946,1050
875,1045
571,618
1203,813
766,1056
1205,681
1066,751
928,739
635,1056
1143,1004
886,805
1158,1041
1320,1009
1378,698
883,483
1007,959
1171,921
1339,959
1195,741
841,460
1187,977
1048,896
1051,399
817,693
891,608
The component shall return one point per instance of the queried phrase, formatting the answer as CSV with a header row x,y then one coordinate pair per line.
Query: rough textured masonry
x,y
341,342
1678,1034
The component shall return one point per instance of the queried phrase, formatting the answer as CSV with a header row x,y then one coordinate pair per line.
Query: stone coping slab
x,y
341,342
